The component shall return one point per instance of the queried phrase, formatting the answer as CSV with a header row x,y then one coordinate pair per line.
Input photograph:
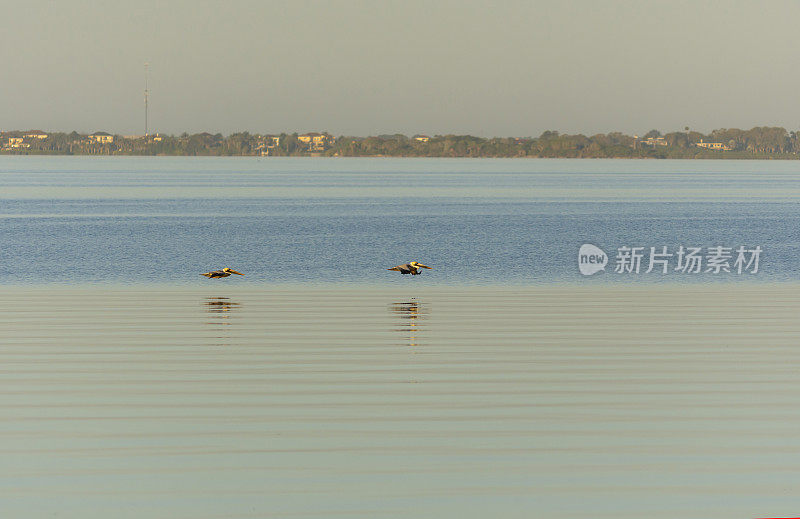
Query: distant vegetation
x,y
759,142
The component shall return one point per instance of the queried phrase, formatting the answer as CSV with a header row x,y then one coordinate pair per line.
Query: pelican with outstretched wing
x,y
223,273
414,268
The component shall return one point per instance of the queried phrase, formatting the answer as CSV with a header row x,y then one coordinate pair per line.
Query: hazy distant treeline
x,y
759,142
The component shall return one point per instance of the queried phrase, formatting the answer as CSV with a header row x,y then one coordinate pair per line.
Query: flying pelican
x,y
414,268
220,273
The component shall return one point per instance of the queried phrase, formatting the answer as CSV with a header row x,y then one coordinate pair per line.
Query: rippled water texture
x,y
79,220
501,383
295,402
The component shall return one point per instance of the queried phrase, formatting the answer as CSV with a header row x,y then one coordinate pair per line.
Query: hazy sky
x,y
368,67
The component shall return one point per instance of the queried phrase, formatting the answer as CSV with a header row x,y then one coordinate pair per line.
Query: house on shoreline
x,y
316,141
713,145
35,134
17,143
655,141
267,144
101,138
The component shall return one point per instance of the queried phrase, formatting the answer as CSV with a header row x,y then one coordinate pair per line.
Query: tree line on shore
x,y
758,142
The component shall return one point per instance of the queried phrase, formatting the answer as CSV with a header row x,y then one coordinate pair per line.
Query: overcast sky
x,y
502,68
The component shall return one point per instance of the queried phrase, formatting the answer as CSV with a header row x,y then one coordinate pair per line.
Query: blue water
x,y
277,395
154,220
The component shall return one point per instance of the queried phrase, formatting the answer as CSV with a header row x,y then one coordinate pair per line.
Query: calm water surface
x,y
319,385
132,220
301,402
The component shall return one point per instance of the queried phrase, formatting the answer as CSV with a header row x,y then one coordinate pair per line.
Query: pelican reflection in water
x,y
410,312
220,309
222,273
413,267
220,305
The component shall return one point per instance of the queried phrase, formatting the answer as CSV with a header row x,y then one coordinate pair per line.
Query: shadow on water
x,y
221,309
412,314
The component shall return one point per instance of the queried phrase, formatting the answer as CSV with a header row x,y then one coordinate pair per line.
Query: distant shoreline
x,y
759,143
125,155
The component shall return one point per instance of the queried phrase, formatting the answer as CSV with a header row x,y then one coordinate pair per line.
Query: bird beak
x,y
234,272
424,266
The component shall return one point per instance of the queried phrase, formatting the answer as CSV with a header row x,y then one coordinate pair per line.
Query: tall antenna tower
x,y
146,96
